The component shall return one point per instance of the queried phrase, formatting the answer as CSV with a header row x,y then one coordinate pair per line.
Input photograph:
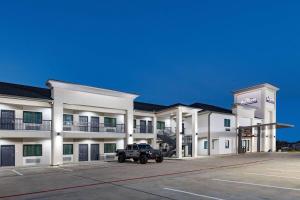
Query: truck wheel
x,y
135,159
159,159
121,158
143,159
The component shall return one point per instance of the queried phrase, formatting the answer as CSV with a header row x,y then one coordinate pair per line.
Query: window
x,y
68,119
226,144
144,146
32,150
226,122
134,123
83,123
110,148
205,144
68,149
110,122
135,147
160,125
32,117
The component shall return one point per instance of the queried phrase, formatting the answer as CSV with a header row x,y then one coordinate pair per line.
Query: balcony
x,y
143,129
94,128
19,125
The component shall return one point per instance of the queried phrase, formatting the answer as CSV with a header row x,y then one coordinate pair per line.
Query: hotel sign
x,y
270,100
248,101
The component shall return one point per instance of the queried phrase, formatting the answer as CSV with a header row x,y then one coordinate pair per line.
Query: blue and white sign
x,y
248,101
270,100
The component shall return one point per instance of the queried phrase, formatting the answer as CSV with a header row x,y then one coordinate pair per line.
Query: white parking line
x,y
15,171
255,184
194,194
271,175
68,170
280,170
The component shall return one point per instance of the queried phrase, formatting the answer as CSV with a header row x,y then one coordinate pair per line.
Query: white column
x,y
178,133
129,127
56,136
154,128
194,133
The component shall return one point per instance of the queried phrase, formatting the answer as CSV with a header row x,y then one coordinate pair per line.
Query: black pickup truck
x,y
139,152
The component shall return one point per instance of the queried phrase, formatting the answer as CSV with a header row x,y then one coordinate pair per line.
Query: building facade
x,y
68,122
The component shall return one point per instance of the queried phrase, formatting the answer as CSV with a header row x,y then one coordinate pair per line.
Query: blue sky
x,y
166,51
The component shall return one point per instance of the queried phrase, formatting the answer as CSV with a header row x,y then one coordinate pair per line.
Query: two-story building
x,y
68,122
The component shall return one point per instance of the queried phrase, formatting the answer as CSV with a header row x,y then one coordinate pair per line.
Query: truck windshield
x,y
144,146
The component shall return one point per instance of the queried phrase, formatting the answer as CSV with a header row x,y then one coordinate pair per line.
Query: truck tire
x,y
135,159
122,158
159,159
143,159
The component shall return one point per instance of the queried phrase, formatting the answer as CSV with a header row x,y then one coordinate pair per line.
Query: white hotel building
x,y
67,122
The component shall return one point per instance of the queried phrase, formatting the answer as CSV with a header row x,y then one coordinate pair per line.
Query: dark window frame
x,y
205,144
227,144
110,124
32,145
227,123
105,150
161,125
64,117
33,122
72,149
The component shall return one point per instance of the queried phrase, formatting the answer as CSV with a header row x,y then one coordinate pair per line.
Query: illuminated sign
x,y
248,101
270,100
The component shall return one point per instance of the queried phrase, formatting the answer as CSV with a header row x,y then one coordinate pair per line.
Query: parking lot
x,y
251,176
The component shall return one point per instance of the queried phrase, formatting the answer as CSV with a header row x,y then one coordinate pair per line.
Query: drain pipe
x,y
208,135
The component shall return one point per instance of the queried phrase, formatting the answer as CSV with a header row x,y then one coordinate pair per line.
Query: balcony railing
x,y
143,129
97,128
18,124
165,130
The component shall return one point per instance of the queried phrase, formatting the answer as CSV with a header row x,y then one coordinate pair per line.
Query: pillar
x,y
129,127
154,129
178,133
194,133
57,134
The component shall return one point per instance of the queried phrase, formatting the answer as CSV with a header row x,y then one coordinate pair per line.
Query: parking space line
x,y
194,194
271,175
280,170
68,170
16,172
256,184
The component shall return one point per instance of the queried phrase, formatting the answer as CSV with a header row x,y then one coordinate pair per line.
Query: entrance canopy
x,y
246,131
277,125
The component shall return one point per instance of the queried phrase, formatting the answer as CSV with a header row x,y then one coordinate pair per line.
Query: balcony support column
x,y
194,133
178,133
129,127
154,130
56,135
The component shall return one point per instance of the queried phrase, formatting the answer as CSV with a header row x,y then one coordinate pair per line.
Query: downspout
x,y
208,135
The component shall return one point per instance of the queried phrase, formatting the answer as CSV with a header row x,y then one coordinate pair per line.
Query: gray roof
x,y
12,89
157,107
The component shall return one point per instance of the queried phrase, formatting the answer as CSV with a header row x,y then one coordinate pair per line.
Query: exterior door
x,y
8,155
95,152
94,124
150,127
83,152
142,126
8,119
83,123
246,145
